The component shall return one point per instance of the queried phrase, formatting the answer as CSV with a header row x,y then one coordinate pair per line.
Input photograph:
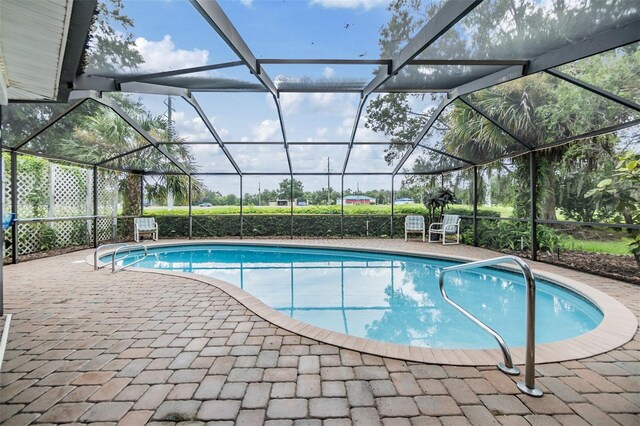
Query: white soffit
x,y
33,36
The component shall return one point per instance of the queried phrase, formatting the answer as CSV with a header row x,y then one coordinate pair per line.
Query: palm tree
x,y
104,135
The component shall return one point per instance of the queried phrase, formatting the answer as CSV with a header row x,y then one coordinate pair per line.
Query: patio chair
x,y
145,226
450,225
415,224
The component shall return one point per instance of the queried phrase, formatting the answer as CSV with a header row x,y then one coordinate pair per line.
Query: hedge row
x,y
265,225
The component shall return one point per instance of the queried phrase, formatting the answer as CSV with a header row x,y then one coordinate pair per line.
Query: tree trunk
x,y
549,201
131,195
488,190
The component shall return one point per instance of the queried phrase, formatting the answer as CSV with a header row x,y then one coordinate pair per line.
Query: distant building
x,y
355,199
282,203
404,201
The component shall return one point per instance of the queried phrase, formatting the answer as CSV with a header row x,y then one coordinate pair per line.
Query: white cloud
x,y
162,55
266,131
290,102
350,4
247,3
328,72
190,128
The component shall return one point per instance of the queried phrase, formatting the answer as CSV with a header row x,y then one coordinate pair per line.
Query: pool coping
x,y
618,325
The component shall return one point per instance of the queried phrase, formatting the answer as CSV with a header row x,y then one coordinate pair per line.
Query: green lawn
x,y
595,246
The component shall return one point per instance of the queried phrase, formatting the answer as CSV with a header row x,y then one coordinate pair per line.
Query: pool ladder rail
x,y
121,247
528,386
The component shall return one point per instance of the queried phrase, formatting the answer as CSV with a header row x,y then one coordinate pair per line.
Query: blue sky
x,y
172,35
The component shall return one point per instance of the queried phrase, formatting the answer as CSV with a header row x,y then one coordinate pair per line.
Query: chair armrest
x,y
439,224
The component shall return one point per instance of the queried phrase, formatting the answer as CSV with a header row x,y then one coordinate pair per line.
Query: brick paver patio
x,y
136,348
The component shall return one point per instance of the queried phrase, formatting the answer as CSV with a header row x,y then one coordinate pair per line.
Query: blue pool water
x,y
385,297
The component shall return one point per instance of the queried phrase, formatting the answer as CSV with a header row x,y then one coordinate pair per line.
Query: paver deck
x,y
136,348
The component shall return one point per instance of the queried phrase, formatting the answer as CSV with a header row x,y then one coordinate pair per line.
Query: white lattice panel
x,y
108,185
33,183
71,191
6,182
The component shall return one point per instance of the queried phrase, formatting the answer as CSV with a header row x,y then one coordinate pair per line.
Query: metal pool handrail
x,y
528,386
95,253
128,248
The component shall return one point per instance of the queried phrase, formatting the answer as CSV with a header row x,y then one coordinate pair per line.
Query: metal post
x,y
528,385
475,206
141,195
14,206
342,207
393,197
533,166
241,205
1,230
190,213
291,211
95,207
328,180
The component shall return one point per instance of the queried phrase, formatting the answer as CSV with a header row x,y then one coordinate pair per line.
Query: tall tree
x,y
539,109
284,189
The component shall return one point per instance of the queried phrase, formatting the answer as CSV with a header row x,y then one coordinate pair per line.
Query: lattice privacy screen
x,y
53,190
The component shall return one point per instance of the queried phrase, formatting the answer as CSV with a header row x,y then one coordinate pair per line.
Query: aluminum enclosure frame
x,y
450,13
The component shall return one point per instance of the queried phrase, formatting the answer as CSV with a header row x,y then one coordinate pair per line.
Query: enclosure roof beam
x,y
53,120
434,116
173,73
55,157
389,62
592,134
124,154
194,103
142,132
434,172
498,77
494,122
227,143
446,154
470,62
599,43
448,15
284,133
363,100
215,16
593,89
152,89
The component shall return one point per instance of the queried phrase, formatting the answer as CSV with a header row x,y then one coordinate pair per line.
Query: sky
x,y
171,34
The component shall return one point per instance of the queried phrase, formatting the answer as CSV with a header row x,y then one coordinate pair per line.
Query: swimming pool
x,y
384,297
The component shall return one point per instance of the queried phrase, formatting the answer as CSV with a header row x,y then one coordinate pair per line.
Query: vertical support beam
x,y
141,195
533,169
1,229
88,209
190,212
241,207
393,197
291,211
95,206
14,206
342,206
52,190
475,206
